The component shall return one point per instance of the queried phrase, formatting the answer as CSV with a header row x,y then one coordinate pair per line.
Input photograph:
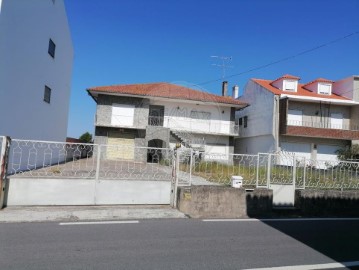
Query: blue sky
x,y
139,41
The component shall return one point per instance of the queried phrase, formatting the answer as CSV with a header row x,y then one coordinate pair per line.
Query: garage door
x,y
327,152
120,146
299,149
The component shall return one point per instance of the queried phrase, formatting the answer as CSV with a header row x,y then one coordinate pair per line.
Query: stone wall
x,y
327,202
104,109
224,202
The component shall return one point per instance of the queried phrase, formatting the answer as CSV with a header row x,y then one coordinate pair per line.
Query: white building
x,y
312,120
36,57
163,114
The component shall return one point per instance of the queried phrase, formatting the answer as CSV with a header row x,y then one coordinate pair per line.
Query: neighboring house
x,y
163,114
312,120
36,57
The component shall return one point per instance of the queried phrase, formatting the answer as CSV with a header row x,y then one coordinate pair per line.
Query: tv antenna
x,y
223,63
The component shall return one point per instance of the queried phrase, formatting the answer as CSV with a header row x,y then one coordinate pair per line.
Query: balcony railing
x,y
195,125
155,120
326,125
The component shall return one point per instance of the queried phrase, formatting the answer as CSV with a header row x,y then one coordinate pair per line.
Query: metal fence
x,y
51,159
42,159
266,169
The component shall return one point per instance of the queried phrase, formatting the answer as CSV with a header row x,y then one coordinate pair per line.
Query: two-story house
x,y
312,120
163,114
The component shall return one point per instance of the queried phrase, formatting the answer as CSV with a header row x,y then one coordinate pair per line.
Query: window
x,y
290,86
324,89
240,121
47,94
52,48
336,120
295,118
245,121
122,115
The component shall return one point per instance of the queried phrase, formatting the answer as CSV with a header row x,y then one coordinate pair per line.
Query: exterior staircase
x,y
186,140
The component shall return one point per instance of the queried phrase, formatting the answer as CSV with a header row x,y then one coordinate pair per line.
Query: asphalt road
x,y
178,244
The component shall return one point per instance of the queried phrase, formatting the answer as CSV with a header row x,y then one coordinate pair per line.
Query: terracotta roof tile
x,y
318,80
301,91
165,90
287,76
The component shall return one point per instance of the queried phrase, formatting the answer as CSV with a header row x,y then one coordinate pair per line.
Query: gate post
x,y
304,172
257,176
190,167
176,171
97,173
4,155
294,171
269,169
98,160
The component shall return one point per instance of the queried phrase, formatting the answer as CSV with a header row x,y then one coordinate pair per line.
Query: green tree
x,y
349,152
86,137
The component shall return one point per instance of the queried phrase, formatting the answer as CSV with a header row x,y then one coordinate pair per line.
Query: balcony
x,y
200,126
319,130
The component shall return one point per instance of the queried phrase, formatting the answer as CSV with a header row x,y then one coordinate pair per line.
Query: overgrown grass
x,y
333,177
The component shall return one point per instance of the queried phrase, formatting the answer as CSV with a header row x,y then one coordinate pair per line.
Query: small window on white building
x,y
324,88
47,94
52,48
245,121
290,85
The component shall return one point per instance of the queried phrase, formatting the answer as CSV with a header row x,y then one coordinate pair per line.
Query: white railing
x,y
265,169
327,125
202,126
44,159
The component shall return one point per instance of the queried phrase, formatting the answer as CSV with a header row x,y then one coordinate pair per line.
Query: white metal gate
x,y
54,173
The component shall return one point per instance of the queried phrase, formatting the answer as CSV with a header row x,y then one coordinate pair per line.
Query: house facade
x,y
161,115
312,120
35,69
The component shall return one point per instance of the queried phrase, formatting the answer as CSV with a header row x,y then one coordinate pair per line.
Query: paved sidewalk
x,y
83,213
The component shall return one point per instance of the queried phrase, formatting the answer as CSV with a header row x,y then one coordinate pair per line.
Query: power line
x,y
281,60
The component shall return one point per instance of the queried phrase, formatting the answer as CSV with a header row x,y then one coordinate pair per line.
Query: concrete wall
x,y
260,113
31,191
255,145
223,202
155,132
345,88
327,202
355,118
26,67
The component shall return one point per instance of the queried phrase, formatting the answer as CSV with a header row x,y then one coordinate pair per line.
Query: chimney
x,y
224,88
235,91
